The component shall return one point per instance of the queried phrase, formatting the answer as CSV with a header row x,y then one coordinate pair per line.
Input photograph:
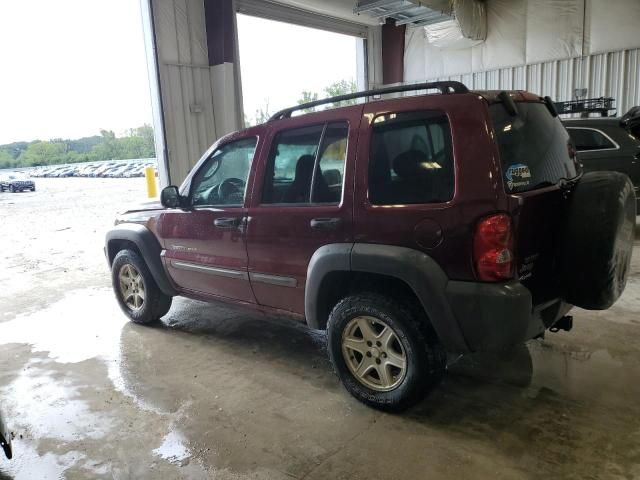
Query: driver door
x,y
205,251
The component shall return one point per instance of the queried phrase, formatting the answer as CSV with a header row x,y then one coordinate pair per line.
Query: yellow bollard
x,y
150,175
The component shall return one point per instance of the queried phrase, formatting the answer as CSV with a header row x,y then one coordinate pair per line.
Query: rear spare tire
x,y
596,247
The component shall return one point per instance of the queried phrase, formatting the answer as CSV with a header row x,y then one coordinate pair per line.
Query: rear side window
x,y
586,139
304,157
534,147
411,159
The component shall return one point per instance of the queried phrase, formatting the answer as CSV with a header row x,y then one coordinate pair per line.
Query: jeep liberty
x,y
406,227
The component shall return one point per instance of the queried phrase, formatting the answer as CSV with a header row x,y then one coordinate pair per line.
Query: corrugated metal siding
x,y
612,74
186,82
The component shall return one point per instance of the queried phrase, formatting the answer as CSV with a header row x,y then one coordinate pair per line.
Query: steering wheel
x,y
229,187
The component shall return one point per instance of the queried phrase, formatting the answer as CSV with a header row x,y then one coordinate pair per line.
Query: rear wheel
x,y
12,189
382,352
137,292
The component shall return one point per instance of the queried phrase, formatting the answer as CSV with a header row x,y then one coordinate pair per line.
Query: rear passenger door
x,y
405,178
301,201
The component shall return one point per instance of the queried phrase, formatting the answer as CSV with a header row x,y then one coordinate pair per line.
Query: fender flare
x,y
149,248
418,270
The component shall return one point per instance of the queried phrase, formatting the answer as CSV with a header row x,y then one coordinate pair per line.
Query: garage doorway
x,y
283,64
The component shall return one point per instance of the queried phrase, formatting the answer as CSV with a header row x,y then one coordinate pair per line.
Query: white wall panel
x,y
614,74
506,35
612,25
530,32
553,29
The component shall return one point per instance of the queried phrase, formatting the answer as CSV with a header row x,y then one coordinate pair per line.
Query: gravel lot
x,y
52,238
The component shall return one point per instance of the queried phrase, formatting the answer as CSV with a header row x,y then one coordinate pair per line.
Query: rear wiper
x,y
563,183
508,103
546,183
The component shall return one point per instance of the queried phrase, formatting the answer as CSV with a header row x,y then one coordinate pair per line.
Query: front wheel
x,y
382,352
137,293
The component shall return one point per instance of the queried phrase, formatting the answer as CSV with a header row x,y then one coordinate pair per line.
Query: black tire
x,y
156,304
425,357
12,189
597,242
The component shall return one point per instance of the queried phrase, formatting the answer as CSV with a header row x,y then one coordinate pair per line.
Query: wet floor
x,y
222,393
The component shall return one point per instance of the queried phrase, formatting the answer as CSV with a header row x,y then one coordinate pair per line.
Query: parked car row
x,y
109,169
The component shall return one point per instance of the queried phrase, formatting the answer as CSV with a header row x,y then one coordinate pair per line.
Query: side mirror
x,y
170,197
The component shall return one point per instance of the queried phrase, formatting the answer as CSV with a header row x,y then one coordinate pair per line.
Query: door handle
x,y
325,223
228,223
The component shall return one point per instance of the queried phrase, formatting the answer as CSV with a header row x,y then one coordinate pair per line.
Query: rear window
x,y
534,147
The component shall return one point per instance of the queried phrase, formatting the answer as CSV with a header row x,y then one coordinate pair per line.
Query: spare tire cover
x,y
597,242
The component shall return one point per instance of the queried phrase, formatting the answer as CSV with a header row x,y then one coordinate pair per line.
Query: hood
x,y
140,213
146,206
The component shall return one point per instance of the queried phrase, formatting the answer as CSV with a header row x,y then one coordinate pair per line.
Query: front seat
x,y
300,188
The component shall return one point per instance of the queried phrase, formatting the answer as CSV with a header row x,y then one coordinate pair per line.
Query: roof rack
x,y
444,87
600,105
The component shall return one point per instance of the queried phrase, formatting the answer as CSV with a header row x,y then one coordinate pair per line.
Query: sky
x,y
278,61
71,68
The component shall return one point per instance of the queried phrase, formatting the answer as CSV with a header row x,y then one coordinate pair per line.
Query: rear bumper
x,y
493,316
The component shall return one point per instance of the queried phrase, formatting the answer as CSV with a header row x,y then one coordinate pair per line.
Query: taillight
x,y
493,248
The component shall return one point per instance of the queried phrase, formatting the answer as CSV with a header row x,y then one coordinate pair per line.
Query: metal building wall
x,y
613,74
197,102
194,74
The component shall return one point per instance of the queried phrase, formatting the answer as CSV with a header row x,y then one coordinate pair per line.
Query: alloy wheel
x,y
373,353
131,287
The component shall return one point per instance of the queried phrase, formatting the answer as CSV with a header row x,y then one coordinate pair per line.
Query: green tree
x,y
341,87
108,149
146,133
43,153
262,113
6,159
307,97
137,143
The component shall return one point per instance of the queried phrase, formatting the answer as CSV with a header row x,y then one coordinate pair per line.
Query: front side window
x,y
411,159
586,139
305,157
222,179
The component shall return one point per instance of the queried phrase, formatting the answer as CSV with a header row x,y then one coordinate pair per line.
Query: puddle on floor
x,y
80,326
52,406
173,449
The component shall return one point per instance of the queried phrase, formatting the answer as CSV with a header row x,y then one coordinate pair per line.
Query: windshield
x,y
535,149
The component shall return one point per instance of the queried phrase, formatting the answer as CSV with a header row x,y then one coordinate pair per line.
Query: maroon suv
x,y
406,228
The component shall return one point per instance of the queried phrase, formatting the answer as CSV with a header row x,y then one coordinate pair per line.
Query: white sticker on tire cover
x,y
518,175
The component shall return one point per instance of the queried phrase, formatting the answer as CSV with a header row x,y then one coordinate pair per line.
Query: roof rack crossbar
x,y
444,87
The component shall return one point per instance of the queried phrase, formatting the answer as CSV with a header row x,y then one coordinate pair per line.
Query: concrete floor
x,y
225,394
